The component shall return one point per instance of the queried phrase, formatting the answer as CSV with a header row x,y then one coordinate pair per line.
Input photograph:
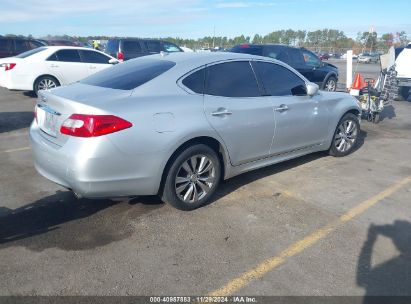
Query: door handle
x,y
54,66
282,108
92,67
221,112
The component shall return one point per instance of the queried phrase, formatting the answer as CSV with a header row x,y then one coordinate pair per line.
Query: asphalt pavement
x,y
316,225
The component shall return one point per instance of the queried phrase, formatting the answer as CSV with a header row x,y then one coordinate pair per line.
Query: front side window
x,y
65,56
153,46
231,79
171,48
310,59
94,57
278,80
129,75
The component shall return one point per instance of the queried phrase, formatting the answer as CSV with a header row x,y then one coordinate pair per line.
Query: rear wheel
x,y
192,178
45,83
346,136
331,84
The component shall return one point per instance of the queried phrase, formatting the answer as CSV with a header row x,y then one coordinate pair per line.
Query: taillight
x,y
83,125
120,56
9,66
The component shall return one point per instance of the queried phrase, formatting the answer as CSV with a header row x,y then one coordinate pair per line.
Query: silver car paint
x,y
132,162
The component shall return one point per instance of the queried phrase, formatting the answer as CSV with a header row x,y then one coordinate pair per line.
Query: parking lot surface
x,y
316,225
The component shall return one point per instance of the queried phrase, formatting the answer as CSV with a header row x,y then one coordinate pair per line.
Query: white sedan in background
x,y
51,66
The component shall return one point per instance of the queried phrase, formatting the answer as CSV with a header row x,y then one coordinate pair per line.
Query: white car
x,y
51,66
403,69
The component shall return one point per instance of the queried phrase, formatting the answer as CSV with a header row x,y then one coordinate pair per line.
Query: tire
x,y
45,82
331,84
345,137
404,93
192,178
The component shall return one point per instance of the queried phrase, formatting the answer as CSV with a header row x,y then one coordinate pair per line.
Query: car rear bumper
x,y
104,174
16,82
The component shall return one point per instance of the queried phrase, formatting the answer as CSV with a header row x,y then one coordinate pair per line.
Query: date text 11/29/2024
x,y
203,299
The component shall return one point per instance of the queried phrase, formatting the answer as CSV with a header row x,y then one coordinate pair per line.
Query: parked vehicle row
x,y
47,67
176,124
301,59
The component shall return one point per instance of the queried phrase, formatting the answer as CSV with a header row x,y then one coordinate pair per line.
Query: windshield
x,y
31,52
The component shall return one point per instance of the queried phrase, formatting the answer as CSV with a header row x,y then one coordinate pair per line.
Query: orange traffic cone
x,y
357,85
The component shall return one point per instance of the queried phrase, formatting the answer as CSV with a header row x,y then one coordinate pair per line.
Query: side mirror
x,y
312,89
113,61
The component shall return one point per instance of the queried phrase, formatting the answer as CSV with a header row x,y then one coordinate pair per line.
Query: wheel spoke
x,y
187,168
181,188
180,180
208,167
204,187
189,192
193,161
203,162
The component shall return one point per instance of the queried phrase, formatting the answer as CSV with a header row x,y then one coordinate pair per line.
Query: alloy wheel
x,y
331,85
346,136
46,84
195,178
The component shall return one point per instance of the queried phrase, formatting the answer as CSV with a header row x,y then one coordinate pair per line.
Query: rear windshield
x,y
129,75
248,49
31,52
112,47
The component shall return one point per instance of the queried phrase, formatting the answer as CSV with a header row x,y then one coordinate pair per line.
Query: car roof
x,y
57,47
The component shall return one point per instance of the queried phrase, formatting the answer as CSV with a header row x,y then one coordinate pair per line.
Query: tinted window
x,y
35,44
5,44
248,49
129,75
278,80
131,46
31,52
310,59
112,46
278,53
171,48
21,45
195,81
66,56
295,56
94,57
153,46
231,79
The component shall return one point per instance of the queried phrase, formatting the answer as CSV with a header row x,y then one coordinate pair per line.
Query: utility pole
x,y
213,35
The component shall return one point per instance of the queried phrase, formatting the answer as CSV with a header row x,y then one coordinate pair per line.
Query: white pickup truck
x,y
403,69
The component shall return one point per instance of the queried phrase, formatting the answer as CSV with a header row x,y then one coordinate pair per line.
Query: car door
x,y
132,49
95,61
236,109
301,121
67,66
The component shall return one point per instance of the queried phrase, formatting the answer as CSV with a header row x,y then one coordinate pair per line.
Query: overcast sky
x,y
198,18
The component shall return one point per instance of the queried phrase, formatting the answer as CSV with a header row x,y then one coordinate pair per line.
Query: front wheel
x,y
192,178
331,84
346,136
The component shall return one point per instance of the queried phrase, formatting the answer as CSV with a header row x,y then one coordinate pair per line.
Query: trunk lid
x,y
55,106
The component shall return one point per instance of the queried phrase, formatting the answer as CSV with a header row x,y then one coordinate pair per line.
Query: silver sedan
x,y
176,124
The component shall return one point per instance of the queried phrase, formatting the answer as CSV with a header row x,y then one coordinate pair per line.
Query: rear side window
x,y
94,57
278,80
195,81
295,56
129,75
248,49
31,52
231,79
65,56
131,46
153,46
5,44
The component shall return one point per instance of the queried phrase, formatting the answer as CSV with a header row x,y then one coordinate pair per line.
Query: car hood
x,y
330,65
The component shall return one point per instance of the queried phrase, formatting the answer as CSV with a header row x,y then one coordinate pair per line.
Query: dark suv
x,y
129,48
12,46
301,59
